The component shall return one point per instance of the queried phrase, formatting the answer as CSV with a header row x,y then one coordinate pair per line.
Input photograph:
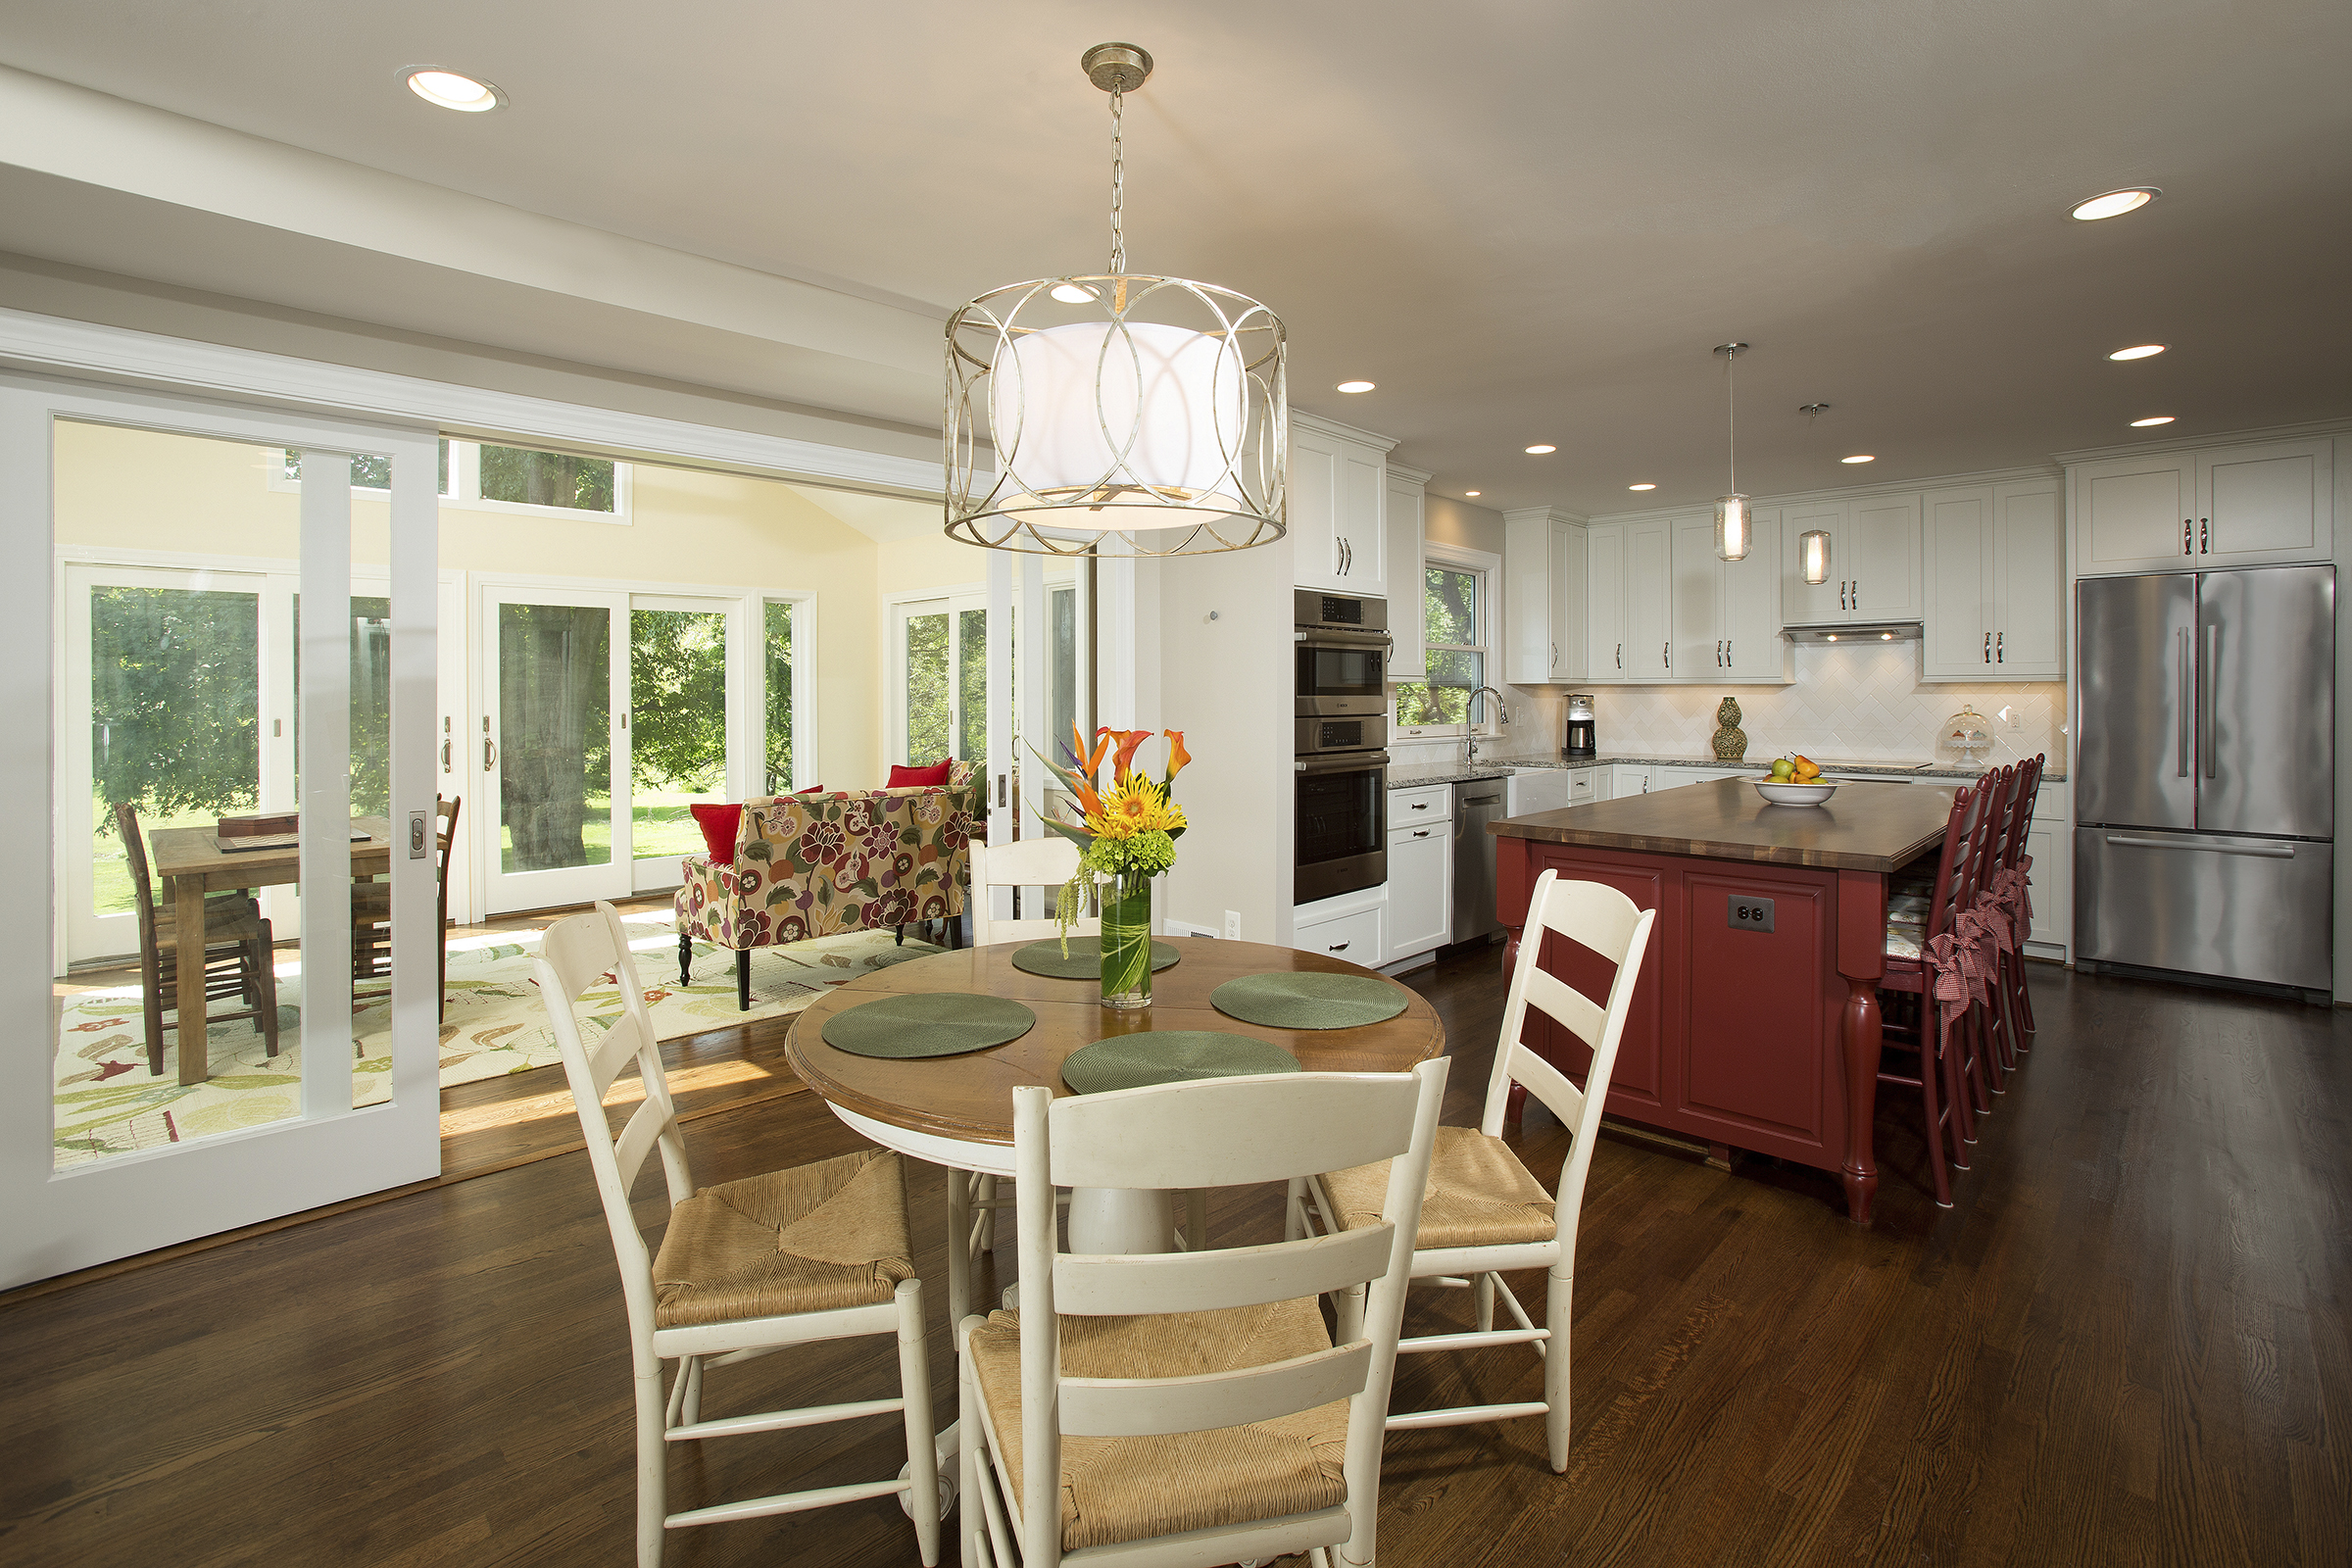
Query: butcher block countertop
x,y
1864,826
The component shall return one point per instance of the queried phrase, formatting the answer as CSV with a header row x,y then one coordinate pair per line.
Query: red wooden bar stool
x,y
1909,975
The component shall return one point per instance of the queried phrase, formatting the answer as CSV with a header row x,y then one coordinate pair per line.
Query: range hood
x,y
1855,631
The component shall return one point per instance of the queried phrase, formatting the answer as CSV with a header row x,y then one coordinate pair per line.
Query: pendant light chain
x,y
1118,188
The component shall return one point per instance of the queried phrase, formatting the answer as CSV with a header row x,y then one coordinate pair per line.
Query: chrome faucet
x,y
1502,715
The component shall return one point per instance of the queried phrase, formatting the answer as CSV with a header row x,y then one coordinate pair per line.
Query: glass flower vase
x,y
1127,941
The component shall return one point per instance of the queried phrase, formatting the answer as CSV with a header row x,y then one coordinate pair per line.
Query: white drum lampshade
x,y
1110,426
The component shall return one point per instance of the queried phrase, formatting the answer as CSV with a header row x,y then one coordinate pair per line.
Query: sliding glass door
x,y
554,748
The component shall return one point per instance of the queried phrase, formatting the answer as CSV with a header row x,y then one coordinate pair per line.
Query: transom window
x,y
489,477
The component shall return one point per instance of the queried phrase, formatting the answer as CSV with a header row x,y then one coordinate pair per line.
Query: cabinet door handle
x,y
1421,805
2204,537
1727,653
1621,655
2188,538
1420,832
1337,946
1555,655
1668,645
2000,654
1989,647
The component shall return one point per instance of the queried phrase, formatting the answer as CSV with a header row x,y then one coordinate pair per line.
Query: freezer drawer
x,y
2241,908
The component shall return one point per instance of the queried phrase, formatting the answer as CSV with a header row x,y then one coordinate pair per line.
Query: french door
x,y
139,698
553,751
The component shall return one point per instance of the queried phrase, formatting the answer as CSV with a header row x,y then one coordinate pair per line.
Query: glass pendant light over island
x,y
1734,514
1129,414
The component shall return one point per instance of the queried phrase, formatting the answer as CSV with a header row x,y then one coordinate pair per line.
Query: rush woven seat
x,y
1479,1195
1130,1489
808,1239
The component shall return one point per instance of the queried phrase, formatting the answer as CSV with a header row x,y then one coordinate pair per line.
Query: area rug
x,y
106,1102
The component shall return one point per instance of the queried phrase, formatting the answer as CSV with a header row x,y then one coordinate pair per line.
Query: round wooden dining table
x,y
957,1111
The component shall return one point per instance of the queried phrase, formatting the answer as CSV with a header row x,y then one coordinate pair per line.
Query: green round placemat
x,y
1308,1000
1170,1056
1085,961
940,1023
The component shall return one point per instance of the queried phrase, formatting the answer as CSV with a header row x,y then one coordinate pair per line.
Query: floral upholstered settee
x,y
814,865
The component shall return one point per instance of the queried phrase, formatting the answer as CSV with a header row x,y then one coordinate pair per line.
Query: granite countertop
x,y
1864,830
1503,767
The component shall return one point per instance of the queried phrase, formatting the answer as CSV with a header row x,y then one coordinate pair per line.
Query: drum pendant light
x,y
1734,515
1129,414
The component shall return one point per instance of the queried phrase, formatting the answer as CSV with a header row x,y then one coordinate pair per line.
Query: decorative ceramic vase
x,y
1127,941
1731,740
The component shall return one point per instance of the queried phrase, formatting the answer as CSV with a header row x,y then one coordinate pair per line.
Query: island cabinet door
x,y
1759,1065
1636,1085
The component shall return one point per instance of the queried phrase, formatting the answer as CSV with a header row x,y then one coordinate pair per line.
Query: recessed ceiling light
x,y
1469,492
453,89
2161,419
1860,457
2116,203
1641,487
1073,294
1886,636
1537,452
1832,636
2145,350
1355,386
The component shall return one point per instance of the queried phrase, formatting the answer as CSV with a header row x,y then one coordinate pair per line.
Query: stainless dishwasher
x,y
1475,805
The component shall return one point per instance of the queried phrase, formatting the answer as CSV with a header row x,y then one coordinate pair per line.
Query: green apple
x,y
1783,769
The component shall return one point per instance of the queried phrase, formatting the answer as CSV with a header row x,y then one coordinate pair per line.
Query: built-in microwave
x,y
1340,827
1342,656
1322,734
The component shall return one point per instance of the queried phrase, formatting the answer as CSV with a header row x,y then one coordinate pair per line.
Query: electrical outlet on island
x,y
1233,925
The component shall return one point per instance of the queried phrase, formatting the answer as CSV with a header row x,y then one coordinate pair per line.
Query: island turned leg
x,y
1861,960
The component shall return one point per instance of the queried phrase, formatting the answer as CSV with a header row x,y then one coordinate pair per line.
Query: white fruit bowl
x,y
1793,794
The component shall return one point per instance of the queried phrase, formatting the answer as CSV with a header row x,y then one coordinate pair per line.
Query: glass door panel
x,y
777,762
678,729
556,748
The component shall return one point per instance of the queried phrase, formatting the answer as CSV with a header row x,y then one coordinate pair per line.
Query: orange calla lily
x,y
1178,756
1122,760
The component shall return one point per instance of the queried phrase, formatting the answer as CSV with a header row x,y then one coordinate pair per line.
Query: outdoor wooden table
x,y
957,1111
189,862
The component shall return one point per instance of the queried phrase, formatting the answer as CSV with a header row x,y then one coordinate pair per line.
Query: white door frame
x,y
89,1213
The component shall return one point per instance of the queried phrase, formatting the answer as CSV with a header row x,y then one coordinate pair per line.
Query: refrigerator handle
x,y
2181,763
2205,674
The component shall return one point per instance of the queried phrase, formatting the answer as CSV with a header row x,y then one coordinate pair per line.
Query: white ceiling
x,y
1528,223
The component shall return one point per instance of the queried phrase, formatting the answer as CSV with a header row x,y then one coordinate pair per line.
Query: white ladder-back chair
x,y
746,1268
1188,1409
1483,1213
1041,863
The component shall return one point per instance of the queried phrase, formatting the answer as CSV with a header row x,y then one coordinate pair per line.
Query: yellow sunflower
x,y
1136,806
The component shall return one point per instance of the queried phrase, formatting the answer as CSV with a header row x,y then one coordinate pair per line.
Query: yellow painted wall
x,y
149,491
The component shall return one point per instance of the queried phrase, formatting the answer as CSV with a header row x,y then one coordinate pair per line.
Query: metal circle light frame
x,y
1244,504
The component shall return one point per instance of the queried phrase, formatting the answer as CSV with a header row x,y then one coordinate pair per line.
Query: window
x,y
1456,621
779,697
495,478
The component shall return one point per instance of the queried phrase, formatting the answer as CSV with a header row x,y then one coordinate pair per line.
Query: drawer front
x,y
1429,802
1353,937
1580,785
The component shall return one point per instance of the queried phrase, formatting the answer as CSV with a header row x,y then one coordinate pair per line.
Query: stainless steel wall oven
x,y
1341,745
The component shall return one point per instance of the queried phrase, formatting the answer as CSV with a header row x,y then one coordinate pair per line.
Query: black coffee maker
x,y
1581,744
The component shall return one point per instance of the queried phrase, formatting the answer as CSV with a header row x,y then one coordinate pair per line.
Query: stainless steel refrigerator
x,y
2204,774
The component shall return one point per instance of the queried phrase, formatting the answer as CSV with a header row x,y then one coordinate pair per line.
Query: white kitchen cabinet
x,y
1628,778
1356,935
1605,602
1545,597
2048,883
1648,600
1420,911
1420,805
1582,782
1994,575
2181,510
1727,614
1408,497
1873,560
1338,504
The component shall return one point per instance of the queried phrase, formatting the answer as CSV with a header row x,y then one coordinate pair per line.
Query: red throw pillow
x,y
720,825
919,778
814,789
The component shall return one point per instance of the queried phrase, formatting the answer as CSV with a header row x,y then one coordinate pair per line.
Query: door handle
x,y
1727,653
2206,668
1555,655
489,753
1989,647
1420,832
2000,651
1338,947
1669,655
445,745
2260,852
2204,537
1621,655
2188,538
2188,701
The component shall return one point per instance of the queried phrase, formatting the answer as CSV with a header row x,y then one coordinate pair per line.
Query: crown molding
x,y
1857,492
2175,443
1346,433
1397,471
1544,514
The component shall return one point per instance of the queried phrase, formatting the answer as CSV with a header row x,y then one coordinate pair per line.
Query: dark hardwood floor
x,y
2129,1344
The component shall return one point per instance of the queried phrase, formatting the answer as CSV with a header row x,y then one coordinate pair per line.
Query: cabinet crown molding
x,y
1344,432
2049,473
1544,514
1397,471
2219,438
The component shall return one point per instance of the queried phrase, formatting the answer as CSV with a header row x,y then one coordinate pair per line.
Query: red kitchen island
x,y
1755,1023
